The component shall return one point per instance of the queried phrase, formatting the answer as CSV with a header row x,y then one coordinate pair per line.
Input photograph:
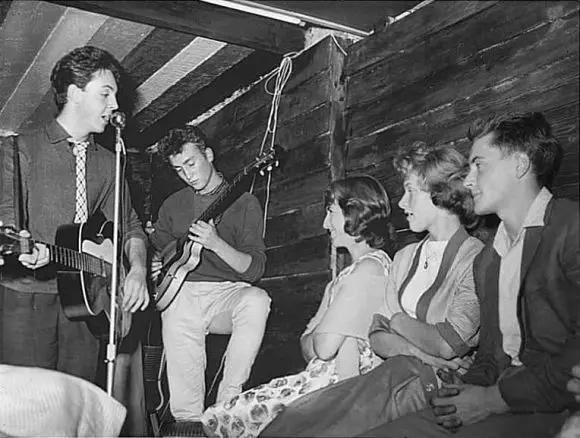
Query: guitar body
x,y
85,296
177,261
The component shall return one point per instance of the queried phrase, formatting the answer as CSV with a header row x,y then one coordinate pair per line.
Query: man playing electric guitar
x,y
217,296
60,166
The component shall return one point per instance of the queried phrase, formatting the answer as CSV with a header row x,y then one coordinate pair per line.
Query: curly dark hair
x,y
442,170
78,67
172,143
366,208
529,133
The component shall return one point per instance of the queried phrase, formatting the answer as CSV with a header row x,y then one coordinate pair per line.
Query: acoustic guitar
x,y
83,254
182,256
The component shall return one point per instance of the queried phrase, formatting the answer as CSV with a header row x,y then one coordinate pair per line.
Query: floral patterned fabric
x,y
247,414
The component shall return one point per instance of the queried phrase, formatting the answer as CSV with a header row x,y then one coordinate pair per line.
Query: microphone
x,y
118,119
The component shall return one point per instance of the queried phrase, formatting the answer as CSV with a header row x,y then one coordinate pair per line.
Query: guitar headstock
x,y
12,243
269,159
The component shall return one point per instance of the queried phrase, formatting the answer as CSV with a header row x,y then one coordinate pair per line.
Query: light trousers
x,y
200,308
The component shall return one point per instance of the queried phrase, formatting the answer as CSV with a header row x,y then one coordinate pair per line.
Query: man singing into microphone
x,y
66,177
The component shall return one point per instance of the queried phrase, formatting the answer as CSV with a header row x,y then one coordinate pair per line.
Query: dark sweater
x,y
548,313
240,226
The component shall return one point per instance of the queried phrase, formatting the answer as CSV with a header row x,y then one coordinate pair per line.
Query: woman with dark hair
x,y
429,319
335,343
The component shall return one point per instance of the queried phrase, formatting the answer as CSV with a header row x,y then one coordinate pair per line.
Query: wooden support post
x,y
337,152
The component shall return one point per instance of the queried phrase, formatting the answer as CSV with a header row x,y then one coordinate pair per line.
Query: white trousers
x,y
200,308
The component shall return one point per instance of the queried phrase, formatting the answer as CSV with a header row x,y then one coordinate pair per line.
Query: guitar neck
x,y
78,260
220,204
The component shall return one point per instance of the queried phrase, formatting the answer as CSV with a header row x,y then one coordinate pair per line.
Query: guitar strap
x,y
20,211
12,269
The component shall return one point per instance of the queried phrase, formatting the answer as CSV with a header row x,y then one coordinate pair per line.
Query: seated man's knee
x,y
257,301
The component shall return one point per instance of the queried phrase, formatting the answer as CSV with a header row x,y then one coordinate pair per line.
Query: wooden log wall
x,y
428,76
425,77
310,129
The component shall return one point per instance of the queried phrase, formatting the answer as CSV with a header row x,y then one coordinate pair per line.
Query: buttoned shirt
x,y
510,253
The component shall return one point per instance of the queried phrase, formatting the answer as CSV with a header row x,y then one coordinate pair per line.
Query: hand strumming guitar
x,y
574,383
156,265
135,294
205,234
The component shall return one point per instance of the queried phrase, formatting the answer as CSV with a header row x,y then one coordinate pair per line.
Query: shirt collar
x,y
534,218
56,134
537,211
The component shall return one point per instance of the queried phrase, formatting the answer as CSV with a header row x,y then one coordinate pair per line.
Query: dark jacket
x,y
548,314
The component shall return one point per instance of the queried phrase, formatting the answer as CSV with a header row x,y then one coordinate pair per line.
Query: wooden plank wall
x,y
426,77
310,128
422,78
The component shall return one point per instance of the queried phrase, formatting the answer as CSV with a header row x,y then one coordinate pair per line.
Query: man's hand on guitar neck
x,y
39,257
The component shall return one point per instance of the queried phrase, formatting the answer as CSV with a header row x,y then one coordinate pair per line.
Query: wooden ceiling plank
x,y
23,32
237,76
153,52
4,8
192,56
203,20
194,81
74,29
119,37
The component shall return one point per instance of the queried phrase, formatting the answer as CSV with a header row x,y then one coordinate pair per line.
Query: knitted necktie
x,y
81,207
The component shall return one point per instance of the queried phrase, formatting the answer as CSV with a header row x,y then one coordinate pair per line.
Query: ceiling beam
x,y
119,37
4,7
202,95
23,33
75,28
205,20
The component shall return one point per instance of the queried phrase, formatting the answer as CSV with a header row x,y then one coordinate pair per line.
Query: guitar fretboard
x,y
216,206
78,260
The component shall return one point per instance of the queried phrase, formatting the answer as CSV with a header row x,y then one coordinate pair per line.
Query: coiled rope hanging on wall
x,y
282,75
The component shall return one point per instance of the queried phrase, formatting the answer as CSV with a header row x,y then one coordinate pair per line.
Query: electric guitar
x,y
84,254
182,256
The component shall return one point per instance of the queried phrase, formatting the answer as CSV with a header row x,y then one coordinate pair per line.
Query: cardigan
x,y
448,302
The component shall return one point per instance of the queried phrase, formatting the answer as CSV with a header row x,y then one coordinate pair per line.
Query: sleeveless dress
x,y
248,413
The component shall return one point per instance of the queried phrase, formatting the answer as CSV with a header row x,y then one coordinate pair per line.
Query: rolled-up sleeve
x,y
250,240
7,180
461,326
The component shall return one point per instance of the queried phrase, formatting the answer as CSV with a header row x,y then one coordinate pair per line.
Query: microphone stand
x,y
118,121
